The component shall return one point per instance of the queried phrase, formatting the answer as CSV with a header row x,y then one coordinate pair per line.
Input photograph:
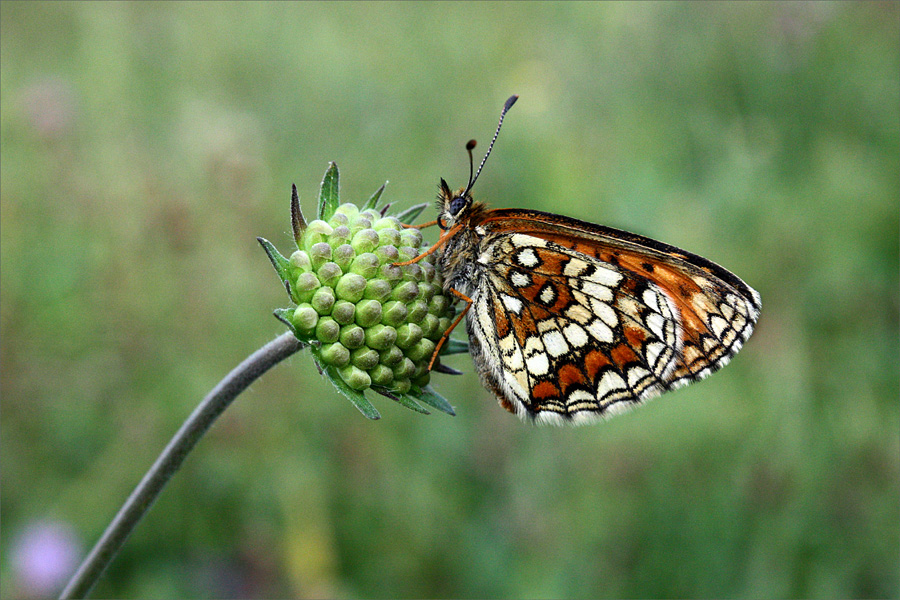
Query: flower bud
x,y
389,237
401,386
387,254
417,311
391,357
316,232
319,254
377,289
352,336
349,210
405,292
343,255
380,337
329,274
382,375
340,236
365,240
365,358
350,287
338,219
327,330
300,262
365,264
335,354
305,318
438,304
386,223
390,272
394,313
421,351
344,312
411,237
430,327
368,313
355,377
408,335
307,283
404,369
323,300
412,272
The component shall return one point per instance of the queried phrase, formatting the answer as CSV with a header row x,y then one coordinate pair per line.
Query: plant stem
x,y
170,460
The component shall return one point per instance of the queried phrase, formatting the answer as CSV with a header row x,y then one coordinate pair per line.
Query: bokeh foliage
x,y
145,146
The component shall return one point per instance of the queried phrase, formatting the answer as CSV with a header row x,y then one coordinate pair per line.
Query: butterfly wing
x,y
573,320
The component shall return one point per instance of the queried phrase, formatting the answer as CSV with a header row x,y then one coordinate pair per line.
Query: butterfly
x,y
569,321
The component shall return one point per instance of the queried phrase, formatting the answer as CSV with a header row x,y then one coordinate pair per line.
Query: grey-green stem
x,y
170,460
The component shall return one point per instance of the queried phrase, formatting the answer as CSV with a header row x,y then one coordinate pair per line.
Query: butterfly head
x,y
452,206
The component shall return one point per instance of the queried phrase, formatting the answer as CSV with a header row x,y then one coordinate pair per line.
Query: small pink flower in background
x,y
44,556
50,106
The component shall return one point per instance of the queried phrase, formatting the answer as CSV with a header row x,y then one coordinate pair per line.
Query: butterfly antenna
x,y
506,107
470,145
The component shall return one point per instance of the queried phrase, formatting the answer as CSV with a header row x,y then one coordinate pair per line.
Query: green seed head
x,y
368,321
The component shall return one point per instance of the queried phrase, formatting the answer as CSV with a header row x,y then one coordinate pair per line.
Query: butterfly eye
x,y
456,205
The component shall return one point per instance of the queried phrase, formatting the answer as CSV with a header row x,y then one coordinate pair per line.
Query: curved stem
x,y
172,456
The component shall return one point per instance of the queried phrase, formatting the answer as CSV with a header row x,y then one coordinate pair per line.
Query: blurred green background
x,y
145,146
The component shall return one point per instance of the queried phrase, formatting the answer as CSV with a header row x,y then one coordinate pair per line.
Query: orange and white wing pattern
x,y
572,321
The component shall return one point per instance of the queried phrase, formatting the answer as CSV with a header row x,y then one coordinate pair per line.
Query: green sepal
x,y
281,264
298,223
372,202
284,315
410,403
412,213
329,193
356,397
401,399
452,346
432,398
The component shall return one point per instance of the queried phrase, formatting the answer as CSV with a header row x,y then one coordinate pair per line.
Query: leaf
x,y
411,214
432,398
329,193
280,263
453,346
373,201
355,396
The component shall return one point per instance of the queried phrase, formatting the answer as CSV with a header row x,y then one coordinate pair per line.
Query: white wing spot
x,y
519,279
651,299
576,335
609,382
538,364
600,331
657,324
520,240
513,305
605,312
547,295
555,343
605,276
600,292
512,354
579,313
718,325
527,258
575,267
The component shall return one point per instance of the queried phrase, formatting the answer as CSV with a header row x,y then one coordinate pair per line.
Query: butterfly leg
x,y
453,325
422,226
441,241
